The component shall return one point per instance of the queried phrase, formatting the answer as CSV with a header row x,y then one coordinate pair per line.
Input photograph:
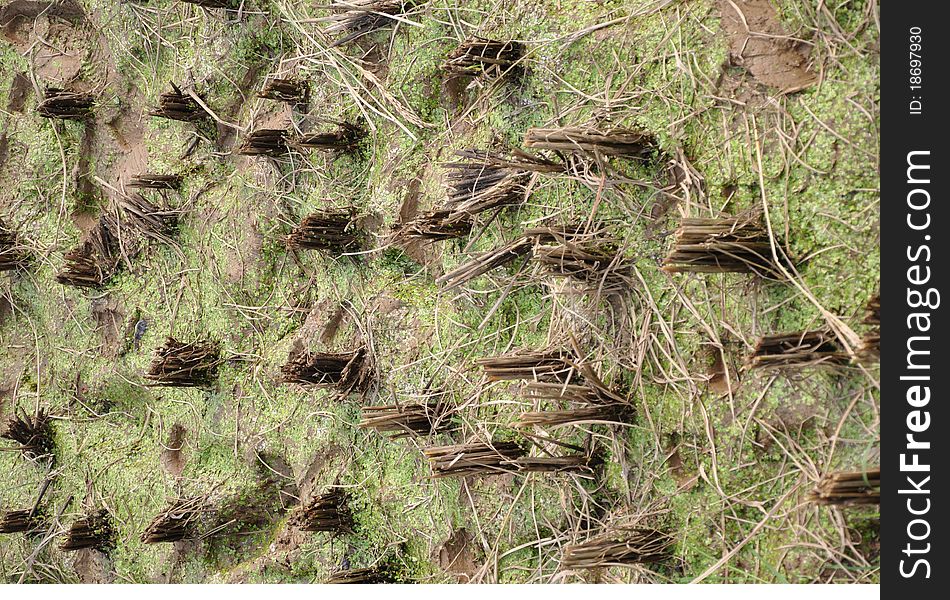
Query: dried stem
x,y
796,350
479,56
614,142
847,488
181,364
328,512
622,547
175,523
92,531
347,371
62,104
334,232
730,245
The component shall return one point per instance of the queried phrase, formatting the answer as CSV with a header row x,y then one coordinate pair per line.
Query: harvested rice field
x,y
439,291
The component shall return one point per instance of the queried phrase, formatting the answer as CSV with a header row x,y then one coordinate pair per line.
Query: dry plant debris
x,y
464,460
153,221
266,142
401,420
870,348
346,137
212,3
619,547
177,522
91,531
796,350
96,259
63,104
486,262
13,253
433,226
847,488
185,364
461,460
33,434
155,181
178,106
608,413
292,91
347,371
477,184
369,575
546,365
585,140
329,512
595,264
478,56
356,18
727,245
21,521
334,232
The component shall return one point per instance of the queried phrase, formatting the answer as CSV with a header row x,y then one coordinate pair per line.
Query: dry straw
x,y
847,488
401,420
618,547
796,350
66,105
292,91
334,232
586,140
329,512
93,263
155,181
13,254
177,522
185,364
352,19
94,530
347,371
178,106
33,434
479,56
725,245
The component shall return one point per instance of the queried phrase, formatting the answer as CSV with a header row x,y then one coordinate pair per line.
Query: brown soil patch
x,y
456,556
21,14
84,221
128,133
4,148
173,458
20,89
93,566
333,325
85,187
427,255
6,309
246,89
110,323
241,259
60,55
323,323
6,394
386,305
454,96
310,479
374,58
275,470
758,42
720,376
674,461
